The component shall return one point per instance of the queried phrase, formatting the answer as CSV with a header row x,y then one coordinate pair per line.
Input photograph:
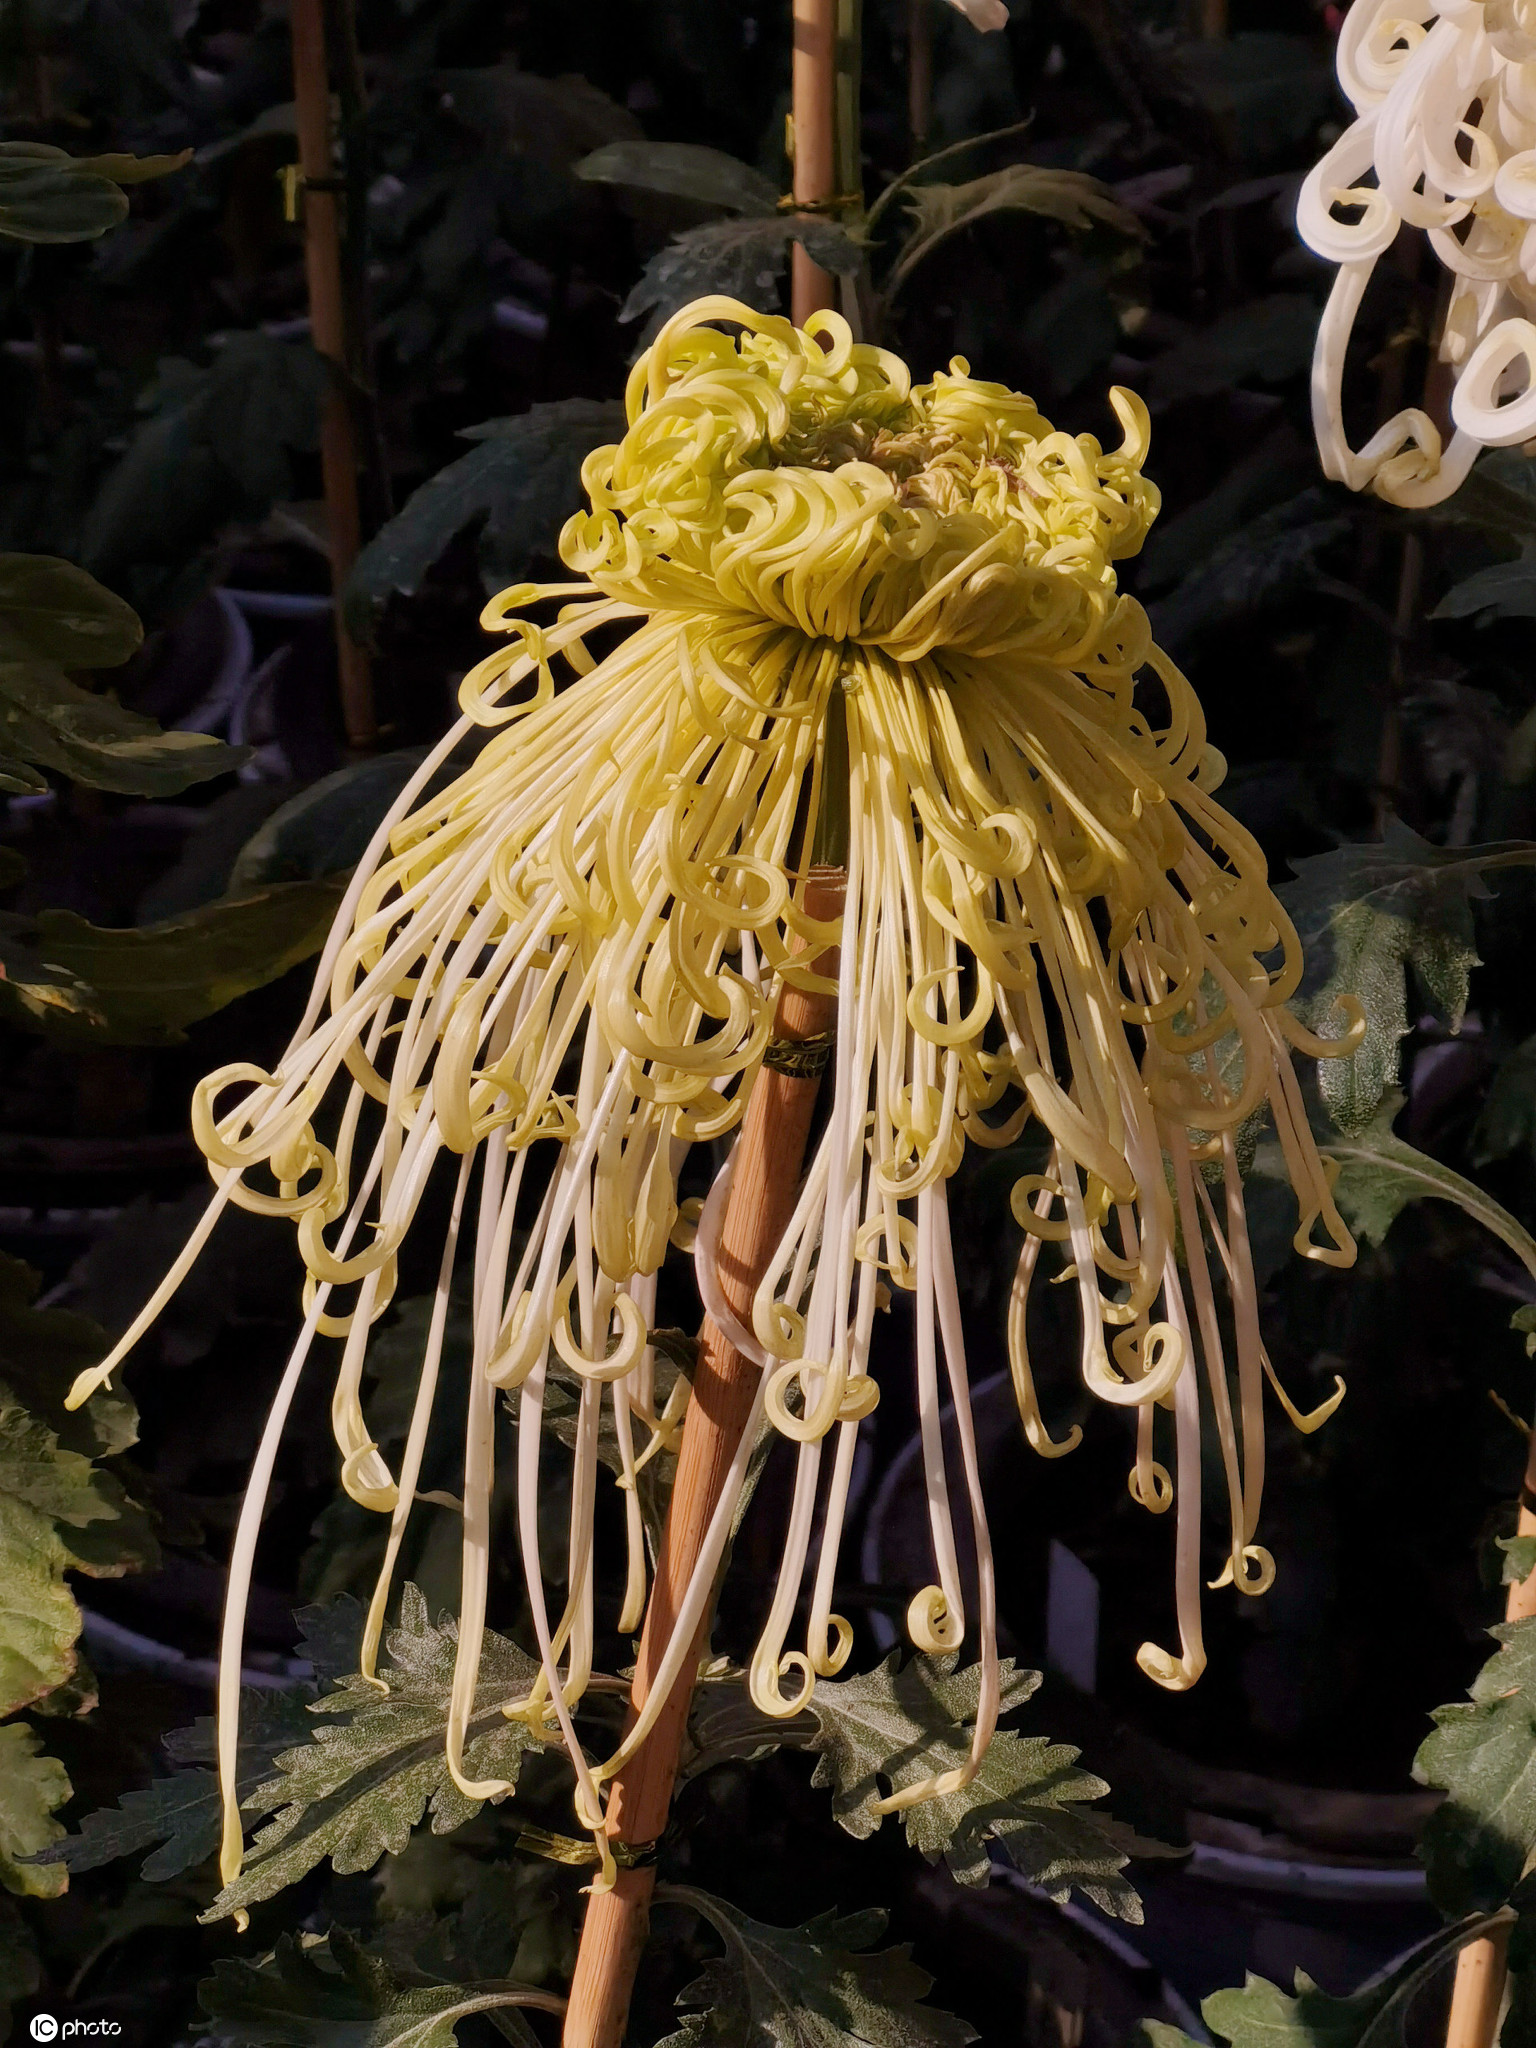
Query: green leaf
x,y
810,1986
49,720
744,259
216,444
31,1787
903,1723
724,1725
179,1817
47,196
1507,1120
1519,1559
134,170
1506,590
355,1791
54,611
326,827
523,480
1262,2016
1260,563
1071,198
39,1621
681,170
42,1351
145,984
1365,915
1482,1755
1379,1175
328,1992
1267,340
1524,1320
1498,497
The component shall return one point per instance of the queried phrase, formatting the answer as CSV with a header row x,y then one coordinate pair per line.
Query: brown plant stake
x,y
327,327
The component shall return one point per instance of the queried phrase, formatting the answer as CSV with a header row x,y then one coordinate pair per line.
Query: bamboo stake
x,y
919,72
1477,1996
771,1150
327,327
814,92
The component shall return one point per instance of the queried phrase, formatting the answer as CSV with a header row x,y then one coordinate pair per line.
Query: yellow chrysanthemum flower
x,y
805,586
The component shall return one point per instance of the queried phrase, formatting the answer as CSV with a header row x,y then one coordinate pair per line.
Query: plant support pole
x,y
770,1154
1477,1997
814,95
327,327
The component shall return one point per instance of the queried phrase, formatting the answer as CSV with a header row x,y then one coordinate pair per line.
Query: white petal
x,y
983,14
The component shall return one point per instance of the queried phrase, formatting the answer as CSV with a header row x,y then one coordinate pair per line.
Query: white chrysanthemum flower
x,y
1445,141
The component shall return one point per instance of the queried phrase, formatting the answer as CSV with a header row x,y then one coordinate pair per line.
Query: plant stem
x,y
771,1150
1477,1996
328,331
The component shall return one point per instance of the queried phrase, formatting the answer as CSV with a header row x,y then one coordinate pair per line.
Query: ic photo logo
x,y
46,2028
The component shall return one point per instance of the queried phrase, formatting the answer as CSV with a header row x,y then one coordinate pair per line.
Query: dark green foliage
x,y
814,1986
744,259
522,480
371,1772
145,986
330,1993
1261,2015
1366,915
903,1723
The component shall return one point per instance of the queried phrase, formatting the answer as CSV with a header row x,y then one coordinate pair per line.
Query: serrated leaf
x,y
1366,915
331,1993
52,610
1260,563
1267,340
147,983
1261,2015
1519,1559
47,719
179,1817
743,259
523,480
216,443
903,1723
1380,1174
811,1986
45,196
1505,590
39,1621
31,1787
1482,1755
356,1789
681,170
1073,199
